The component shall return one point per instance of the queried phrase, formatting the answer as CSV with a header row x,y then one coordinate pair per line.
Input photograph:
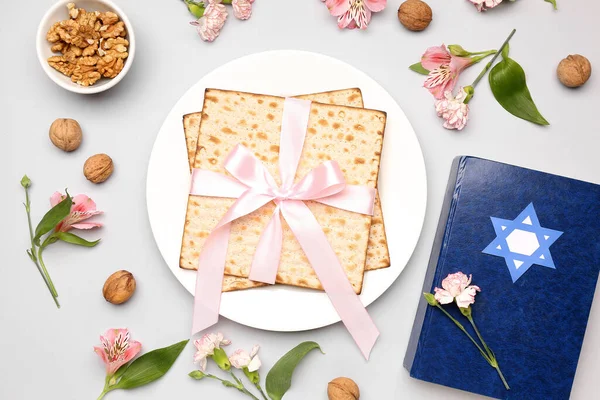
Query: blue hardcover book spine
x,y
530,241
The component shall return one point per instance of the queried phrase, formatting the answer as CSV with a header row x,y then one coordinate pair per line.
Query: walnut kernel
x,y
415,15
87,55
66,134
343,389
98,168
119,287
574,71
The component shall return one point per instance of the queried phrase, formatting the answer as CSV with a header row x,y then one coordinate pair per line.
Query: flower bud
x,y
458,51
25,182
220,357
196,10
430,299
197,375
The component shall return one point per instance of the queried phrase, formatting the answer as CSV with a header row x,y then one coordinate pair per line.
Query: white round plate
x,y
402,183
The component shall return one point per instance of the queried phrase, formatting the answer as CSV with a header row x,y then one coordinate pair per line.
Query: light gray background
x,y
47,353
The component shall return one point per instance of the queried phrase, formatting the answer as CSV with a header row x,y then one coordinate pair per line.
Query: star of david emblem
x,y
522,242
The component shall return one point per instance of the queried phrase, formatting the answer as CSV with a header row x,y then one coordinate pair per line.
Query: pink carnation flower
x,y
457,287
209,26
82,208
206,346
482,4
240,359
117,349
354,13
453,110
242,9
444,69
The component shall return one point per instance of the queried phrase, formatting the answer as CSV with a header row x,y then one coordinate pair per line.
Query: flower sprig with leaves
x,y
457,288
66,213
279,378
507,82
118,351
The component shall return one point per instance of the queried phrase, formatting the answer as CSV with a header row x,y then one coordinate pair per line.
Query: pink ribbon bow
x,y
253,187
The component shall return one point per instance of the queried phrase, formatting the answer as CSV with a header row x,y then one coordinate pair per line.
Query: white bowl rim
x,y
61,79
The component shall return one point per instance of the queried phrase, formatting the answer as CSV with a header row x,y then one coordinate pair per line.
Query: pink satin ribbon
x,y
253,187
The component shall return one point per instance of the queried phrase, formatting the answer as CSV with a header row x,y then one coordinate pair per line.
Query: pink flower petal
x,y
375,5
443,296
100,351
338,7
83,203
458,64
87,225
434,57
134,348
254,364
56,198
363,18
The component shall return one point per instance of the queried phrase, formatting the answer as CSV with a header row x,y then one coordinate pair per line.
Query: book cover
x,y
530,241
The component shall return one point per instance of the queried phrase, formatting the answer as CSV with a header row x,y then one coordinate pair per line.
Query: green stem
x,y
485,346
489,352
102,394
483,55
462,328
32,252
106,388
241,386
261,391
47,275
489,65
238,385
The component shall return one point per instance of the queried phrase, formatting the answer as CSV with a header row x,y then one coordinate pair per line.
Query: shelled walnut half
x,y
92,45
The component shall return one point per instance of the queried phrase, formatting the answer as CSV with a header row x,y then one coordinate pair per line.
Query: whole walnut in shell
x,y
119,287
574,71
415,15
98,168
66,134
343,389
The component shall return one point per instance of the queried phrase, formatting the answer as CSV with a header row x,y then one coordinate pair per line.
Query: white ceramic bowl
x,y
59,12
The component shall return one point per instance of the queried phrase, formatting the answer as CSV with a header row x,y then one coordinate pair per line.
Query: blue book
x,y
530,240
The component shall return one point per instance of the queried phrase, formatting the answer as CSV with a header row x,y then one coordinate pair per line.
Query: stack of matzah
x,y
338,129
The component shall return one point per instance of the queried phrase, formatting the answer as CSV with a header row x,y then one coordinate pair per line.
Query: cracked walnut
x,y
92,45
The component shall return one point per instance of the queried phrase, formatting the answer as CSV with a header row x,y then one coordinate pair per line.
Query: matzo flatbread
x,y
342,133
377,249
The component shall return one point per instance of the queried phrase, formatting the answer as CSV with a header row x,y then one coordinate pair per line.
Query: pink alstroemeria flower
x,y
453,110
444,69
240,359
354,13
457,287
117,349
210,24
82,208
206,346
242,9
483,5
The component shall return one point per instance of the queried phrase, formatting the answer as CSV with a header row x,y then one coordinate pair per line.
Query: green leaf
x,y
279,378
150,367
509,86
419,69
52,218
74,239
553,2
